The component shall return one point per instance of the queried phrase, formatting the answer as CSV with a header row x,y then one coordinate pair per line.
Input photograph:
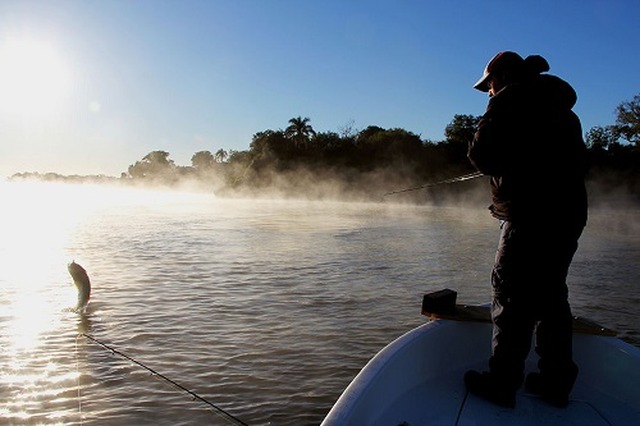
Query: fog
x,y
389,185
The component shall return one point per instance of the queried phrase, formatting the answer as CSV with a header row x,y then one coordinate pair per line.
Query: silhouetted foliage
x,y
299,130
220,156
614,153
374,159
628,120
203,160
458,133
204,166
601,138
156,166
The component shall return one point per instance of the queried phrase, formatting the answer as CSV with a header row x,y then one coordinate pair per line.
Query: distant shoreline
x,y
604,191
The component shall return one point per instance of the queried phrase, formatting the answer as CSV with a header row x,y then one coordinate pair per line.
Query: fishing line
x,y
461,178
79,385
217,410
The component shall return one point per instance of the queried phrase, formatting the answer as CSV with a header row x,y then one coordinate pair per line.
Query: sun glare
x,y
39,224
34,78
36,288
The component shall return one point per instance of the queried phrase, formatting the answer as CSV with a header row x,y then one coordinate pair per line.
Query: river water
x,y
266,309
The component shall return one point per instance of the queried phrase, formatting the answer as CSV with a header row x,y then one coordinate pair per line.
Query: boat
x,y
418,378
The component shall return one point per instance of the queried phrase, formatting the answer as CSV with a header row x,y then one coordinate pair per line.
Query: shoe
x,y
487,387
536,384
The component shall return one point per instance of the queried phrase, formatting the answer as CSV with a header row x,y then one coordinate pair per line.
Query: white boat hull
x,y
418,380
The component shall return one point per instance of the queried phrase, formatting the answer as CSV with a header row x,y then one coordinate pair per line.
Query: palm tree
x,y
299,130
221,155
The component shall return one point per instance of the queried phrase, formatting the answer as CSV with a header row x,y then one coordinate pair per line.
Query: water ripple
x,y
267,309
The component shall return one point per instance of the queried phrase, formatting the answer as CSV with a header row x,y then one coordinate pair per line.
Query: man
x,y
530,142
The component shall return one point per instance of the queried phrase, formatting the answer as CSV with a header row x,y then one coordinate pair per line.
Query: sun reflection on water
x,y
35,233
37,224
41,225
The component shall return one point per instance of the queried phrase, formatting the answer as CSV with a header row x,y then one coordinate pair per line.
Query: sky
x,y
90,87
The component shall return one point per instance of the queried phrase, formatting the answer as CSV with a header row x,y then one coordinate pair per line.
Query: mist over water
x,y
266,308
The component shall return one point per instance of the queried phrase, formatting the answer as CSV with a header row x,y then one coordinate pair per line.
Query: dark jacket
x,y
530,142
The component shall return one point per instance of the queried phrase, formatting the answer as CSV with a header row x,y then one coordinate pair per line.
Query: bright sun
x,y
34,78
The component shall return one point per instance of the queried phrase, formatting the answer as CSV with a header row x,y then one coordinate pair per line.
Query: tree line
x,y
298,159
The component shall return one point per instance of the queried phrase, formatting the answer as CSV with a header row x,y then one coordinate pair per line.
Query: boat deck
x,y
418,380
444,399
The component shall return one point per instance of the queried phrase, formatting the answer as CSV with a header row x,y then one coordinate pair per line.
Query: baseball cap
x,y
503,61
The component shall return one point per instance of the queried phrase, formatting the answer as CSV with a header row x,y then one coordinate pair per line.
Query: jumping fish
x,y
81,280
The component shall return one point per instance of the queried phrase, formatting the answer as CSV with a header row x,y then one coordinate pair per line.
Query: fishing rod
x,y
217,410
461,178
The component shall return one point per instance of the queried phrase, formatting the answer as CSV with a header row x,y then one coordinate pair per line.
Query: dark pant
x,y
530,293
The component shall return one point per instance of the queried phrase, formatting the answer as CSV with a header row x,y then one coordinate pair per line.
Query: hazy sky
x,y
90,87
